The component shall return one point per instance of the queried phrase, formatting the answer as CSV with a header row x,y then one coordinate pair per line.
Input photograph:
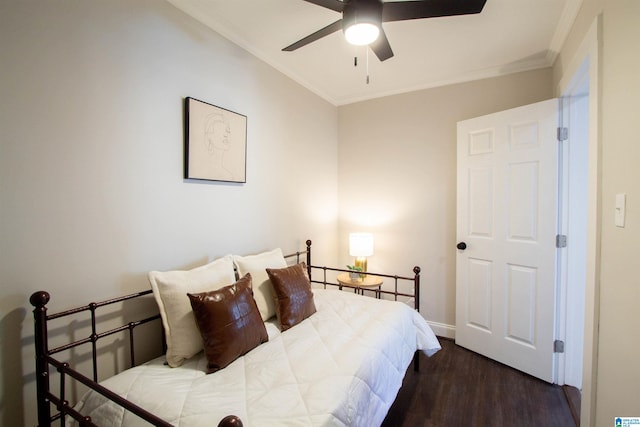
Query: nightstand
x,y
369,282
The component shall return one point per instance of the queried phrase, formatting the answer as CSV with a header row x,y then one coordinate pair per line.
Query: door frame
x,y
586,60
573,223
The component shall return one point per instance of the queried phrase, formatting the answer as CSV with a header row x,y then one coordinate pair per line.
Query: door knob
x,y
462,246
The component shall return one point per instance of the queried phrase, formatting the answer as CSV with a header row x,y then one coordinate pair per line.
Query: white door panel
x,y
506,276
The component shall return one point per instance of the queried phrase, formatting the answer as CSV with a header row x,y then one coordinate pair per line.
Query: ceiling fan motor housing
x,y
362,11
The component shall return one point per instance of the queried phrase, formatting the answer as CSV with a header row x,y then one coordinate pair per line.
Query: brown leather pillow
x,y
294,299
229,322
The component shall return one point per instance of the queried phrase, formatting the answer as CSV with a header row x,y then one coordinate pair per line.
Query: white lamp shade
x,y
362,33
360,244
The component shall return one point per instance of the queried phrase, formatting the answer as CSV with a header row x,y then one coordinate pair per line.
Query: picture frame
x,y
215,143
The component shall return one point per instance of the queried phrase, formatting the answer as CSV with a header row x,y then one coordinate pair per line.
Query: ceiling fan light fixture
x,y
362,33
362,21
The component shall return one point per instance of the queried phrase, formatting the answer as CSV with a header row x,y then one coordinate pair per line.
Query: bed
x,y
336,358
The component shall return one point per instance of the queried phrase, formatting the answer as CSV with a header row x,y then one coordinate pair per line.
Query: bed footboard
x,y
327,278
45,360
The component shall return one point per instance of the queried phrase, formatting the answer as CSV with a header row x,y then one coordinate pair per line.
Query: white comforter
x,y
343,366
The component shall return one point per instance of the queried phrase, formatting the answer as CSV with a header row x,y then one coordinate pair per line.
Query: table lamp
x,y
361,246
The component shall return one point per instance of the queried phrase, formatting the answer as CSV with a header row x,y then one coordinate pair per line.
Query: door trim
x,y
588,53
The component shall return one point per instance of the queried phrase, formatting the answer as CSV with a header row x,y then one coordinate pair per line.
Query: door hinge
x,y
563,134
558,346
561,241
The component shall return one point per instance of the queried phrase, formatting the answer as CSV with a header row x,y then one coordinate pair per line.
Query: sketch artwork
x,y
215,147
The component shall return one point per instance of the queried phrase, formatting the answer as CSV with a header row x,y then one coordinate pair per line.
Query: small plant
x,y
356,272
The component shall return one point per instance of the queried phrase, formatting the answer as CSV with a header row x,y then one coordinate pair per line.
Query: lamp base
x,y
362,263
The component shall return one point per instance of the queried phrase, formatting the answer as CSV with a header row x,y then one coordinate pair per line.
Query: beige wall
x,y
397,175
618,294
91,188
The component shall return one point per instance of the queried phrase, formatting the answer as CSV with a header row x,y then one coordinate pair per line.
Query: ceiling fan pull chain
x,y
367,66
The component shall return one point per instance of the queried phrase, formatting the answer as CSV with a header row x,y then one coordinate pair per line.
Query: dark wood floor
x,y
457,387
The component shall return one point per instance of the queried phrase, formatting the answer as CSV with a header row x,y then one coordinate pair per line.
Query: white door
x,y
507,218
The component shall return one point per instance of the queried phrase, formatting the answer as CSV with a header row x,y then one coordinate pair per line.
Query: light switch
x,y
621,207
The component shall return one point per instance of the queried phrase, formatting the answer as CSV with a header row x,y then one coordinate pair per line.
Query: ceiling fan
x,y
364,18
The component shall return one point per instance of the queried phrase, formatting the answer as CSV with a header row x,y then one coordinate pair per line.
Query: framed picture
x,y
215,143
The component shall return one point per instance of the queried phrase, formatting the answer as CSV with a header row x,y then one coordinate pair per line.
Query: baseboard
x,y
573,399
443,330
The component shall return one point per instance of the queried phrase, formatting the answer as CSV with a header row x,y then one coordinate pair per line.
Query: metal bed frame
x,y
44,356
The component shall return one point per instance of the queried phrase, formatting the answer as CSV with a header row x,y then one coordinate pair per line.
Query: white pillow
x,y
262,287
170,291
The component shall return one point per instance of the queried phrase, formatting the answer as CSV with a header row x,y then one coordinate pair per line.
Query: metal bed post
x,y
309,258
416,302
416,288
39,300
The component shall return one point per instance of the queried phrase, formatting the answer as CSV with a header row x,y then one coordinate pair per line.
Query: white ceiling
x,y
507,36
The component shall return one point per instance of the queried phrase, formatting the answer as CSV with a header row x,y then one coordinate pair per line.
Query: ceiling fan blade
x,y
336,5
329,29
405,10
381,47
